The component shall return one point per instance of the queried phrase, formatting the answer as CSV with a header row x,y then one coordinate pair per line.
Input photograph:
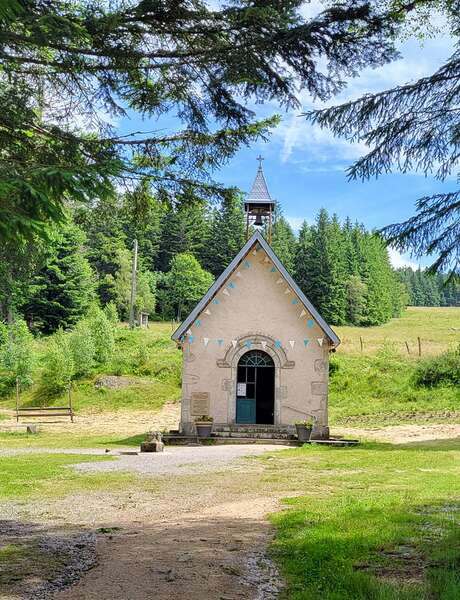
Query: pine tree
x,y
141,213
103,225
284,242
63,288
185,229
324,266
203,63
301,259
226,234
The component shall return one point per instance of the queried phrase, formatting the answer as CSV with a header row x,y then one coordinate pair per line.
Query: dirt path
x,y
201,537
192,526
402,434
204,555
124,423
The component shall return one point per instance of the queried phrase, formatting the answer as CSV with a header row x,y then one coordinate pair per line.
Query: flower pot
x,y
203,429
303,433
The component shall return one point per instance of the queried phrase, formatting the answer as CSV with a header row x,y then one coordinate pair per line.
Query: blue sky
x,y
305,166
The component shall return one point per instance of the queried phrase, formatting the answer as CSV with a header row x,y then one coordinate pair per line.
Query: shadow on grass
x,y
134,440
358,550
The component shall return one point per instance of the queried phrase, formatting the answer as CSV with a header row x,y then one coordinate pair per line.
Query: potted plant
x,y
203,426
304,429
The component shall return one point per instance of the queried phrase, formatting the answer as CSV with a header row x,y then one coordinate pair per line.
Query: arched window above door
x,y
256,358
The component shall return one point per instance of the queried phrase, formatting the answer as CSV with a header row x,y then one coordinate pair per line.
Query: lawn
x,y
51,475
376,522
438,329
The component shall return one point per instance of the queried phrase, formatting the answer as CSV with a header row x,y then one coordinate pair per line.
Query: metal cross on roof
x,y
259,191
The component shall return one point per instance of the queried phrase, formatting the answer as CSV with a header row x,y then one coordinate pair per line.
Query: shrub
x,y
83,348
102,332
16,355
110,311
58,364
333,366
441,369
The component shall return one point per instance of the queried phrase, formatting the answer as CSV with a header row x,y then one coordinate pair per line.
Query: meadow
x,y
374,522
374,386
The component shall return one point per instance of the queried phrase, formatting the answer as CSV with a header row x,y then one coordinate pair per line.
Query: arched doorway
x,y
255,388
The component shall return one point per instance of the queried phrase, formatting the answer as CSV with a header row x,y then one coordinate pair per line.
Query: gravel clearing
x,y
181,460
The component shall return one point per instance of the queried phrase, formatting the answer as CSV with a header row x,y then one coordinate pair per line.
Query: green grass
x,y
438,328
380,389
375,522
371,388
64,439
50,475
147,357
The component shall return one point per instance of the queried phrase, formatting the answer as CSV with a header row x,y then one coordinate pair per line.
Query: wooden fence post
x,y
361,343
407,346
70,401
419,346
17,399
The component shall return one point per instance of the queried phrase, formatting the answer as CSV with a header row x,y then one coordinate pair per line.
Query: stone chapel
x,y
255,350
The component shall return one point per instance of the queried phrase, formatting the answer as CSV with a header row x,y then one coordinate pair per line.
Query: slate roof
x,y
259,191
214,289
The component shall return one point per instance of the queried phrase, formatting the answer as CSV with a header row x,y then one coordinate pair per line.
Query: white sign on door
x,y
241,389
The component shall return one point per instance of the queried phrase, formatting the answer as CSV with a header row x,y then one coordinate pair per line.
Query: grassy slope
x,y
438,329
375,387
376,522
371,388
148,357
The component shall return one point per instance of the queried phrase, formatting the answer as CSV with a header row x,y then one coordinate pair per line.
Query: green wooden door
x,y
246,410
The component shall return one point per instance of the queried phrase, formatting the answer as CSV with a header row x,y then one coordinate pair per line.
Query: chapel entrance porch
x,y
255,389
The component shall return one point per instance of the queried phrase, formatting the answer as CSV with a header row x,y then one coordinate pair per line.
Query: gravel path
x,y
181,460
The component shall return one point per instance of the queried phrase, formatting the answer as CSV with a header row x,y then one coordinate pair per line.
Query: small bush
x,y
83,348
441,369
16,355
333,367
58,365
102,332
110,311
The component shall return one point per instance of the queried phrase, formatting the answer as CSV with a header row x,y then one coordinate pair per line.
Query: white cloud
x,y
399,261
320,146
295,222
296,134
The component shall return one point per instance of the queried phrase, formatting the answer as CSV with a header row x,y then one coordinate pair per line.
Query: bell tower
x,y
259,205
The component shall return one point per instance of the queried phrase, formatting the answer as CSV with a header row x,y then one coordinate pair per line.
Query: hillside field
x,y
373,387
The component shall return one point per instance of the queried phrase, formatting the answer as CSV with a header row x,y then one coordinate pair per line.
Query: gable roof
x,y
257,237
259,191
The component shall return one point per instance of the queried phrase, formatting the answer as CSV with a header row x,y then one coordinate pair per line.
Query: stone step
x,y
272,435
251,429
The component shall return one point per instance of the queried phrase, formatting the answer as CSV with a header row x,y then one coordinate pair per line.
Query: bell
x,y
258,222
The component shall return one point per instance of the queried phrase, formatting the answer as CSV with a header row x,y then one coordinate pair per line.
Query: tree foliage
x,y
68,68
412,127
346,273
183,286
16,355
63,288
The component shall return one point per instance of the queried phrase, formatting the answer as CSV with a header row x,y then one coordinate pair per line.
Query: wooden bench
x,y
45,411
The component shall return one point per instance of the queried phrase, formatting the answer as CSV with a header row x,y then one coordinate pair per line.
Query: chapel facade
x,y
255,350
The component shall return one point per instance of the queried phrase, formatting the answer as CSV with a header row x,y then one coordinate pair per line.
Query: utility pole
x,y
132,301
